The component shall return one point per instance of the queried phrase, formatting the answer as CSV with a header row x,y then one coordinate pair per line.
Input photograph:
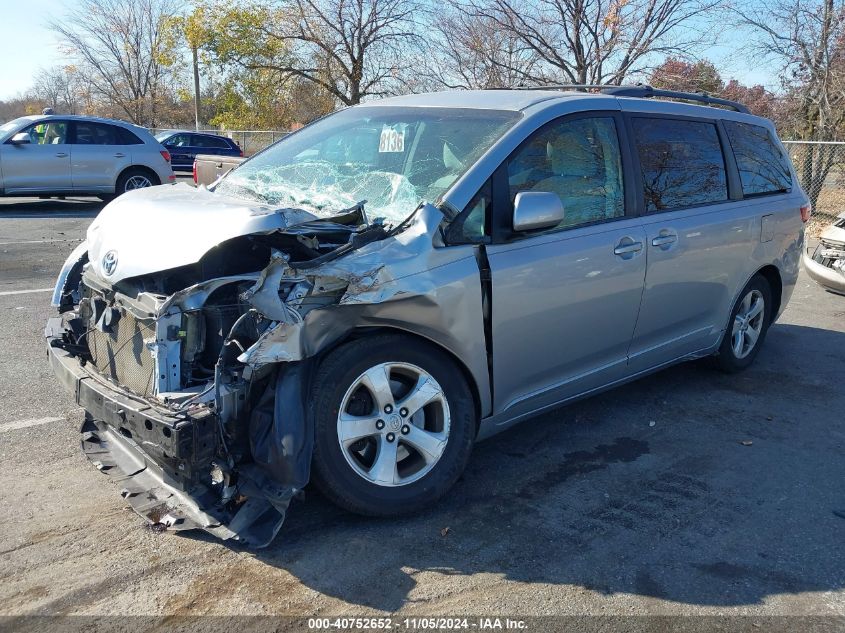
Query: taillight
x,y
806,212
241,153
165,155
195,172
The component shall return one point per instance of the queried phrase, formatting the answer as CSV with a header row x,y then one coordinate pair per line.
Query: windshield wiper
x,y
353,215
357,239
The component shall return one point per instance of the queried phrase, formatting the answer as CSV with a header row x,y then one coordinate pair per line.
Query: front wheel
x,y
750,320
394,425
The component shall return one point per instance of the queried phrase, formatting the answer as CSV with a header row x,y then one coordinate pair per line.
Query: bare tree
x,y
353,49
472,52
806,39
120,45
60,88
595,41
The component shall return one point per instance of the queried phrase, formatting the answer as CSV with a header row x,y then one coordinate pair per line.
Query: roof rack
x,y
645,92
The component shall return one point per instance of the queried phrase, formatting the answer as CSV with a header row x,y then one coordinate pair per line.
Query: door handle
x,y
664,239
119,155
627,246
61,154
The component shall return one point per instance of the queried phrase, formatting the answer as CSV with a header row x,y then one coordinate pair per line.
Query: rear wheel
x,y
750,320
394,425
135,178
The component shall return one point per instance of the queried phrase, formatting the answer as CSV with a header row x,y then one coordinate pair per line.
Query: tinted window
x,y
682,163
763,168
88,133
209,141
126,137
579,161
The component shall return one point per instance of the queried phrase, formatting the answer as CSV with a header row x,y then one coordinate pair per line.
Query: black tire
x,y
333,474
128,177
726,358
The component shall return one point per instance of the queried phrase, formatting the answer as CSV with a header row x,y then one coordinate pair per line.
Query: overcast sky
x,y
28,45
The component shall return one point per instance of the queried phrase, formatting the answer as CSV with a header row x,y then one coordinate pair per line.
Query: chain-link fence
x,y
250,141
821,170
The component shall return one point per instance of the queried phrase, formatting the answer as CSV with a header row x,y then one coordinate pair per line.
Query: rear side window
x,y
88,133
682,163
209,141
763,168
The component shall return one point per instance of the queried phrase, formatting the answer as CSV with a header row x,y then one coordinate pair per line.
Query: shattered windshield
x,y
391,157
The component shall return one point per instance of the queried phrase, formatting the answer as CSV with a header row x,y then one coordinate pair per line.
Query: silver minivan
x,y
51,155
362,301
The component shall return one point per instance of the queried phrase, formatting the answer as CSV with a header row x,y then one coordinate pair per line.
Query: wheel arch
x,y
772,275
150,172
366,331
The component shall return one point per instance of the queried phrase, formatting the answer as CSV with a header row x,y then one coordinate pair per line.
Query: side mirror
x,y
536,210
21,138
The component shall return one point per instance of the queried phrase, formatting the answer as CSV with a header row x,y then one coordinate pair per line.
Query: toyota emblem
x,y
109,262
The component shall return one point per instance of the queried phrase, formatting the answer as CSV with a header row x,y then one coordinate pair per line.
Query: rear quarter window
x,y
127,137
209,141
682,163
763,167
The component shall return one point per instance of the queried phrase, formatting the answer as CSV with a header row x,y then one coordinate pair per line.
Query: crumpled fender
x,y
402,282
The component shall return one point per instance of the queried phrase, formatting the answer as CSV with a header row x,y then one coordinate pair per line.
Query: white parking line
x,y
23,424
6,293
39,242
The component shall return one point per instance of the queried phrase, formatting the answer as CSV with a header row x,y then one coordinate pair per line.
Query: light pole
x,y
196,89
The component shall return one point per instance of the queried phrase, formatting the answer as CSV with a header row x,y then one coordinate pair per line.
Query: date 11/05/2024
x,y
417,623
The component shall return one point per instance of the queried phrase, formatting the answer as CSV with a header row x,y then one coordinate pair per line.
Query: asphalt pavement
x,y
689,492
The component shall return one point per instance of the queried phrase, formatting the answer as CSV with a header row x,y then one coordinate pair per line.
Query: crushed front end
x,y
826,263
194,374
179,398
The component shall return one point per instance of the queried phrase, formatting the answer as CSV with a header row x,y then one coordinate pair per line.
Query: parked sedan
x,y
184,147
74,155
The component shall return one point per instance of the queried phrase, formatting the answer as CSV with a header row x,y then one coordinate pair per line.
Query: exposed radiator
x,y
122,356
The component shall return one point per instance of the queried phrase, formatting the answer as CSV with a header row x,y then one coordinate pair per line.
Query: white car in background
x,y
56,155
826,262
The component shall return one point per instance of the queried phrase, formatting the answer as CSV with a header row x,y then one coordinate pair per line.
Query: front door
x,y
43,164
565,300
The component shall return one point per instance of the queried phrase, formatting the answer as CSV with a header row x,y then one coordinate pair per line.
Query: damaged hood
x,y
159,228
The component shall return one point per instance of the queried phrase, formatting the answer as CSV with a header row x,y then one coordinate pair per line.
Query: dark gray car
x,y
362,301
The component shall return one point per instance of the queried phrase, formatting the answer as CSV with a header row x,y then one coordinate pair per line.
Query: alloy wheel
x,y
748,324
393,424
137,182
